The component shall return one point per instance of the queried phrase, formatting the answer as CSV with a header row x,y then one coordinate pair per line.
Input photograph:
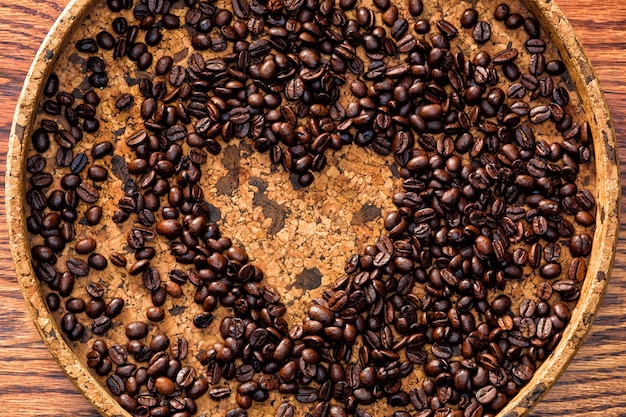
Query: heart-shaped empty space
x,y
300,237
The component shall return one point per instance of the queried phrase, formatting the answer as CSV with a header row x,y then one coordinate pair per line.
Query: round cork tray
x,y
262,202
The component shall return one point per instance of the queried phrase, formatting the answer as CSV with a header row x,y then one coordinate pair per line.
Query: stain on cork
x,y
309,279
367,213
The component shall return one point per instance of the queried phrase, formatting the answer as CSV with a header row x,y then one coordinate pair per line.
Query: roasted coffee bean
x,y
179,348
118,259
97,261
285,410
97,173
531,25
52,85
101,325
487,394
124,101
151,278
469,18
539,114
238,412
203,320
307,395
35,164
416,7
77,267
482,32
87,46
136,330
114,307
555,67
447,29
580,245
101,150
219,393
85,246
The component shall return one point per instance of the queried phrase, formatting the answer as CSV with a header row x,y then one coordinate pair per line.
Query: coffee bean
x,y
77,267
203,320
482,32
136,330
151,278
531,26
179,348
219,393
422,26
52,85
238,412
85,246
447,29
469,18
416,7
87,46
285,410
321,314
35,164
486,395
551,270
101,149
307,395
580,245
539,114
537,64
101,325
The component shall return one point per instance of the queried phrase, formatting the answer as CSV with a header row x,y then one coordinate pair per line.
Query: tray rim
x,y
599,268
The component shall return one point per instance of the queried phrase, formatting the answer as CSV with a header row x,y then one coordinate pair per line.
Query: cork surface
x,y
301,238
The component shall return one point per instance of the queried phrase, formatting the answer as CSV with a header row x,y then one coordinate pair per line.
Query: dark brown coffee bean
x,y
577,270
98,173
537,64
114,307
95,308
171,229
285,410
164,385
136,330
101,325
307,395
531,25
203,320
486,395
219,393
85,246
580,245
118,259
447,29
101,149
321,314
77,267
124,101
52,85
482,32
469,18
551,270
416,7
555,67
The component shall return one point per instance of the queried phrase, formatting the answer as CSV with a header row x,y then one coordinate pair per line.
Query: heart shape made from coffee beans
x,y
484,135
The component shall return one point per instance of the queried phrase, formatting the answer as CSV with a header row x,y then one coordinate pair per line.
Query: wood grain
x,y
31,383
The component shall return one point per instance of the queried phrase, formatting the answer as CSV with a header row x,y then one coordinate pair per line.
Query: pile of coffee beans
x,y
484,200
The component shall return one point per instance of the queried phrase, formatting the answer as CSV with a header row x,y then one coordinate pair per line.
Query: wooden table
x,y
32,384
